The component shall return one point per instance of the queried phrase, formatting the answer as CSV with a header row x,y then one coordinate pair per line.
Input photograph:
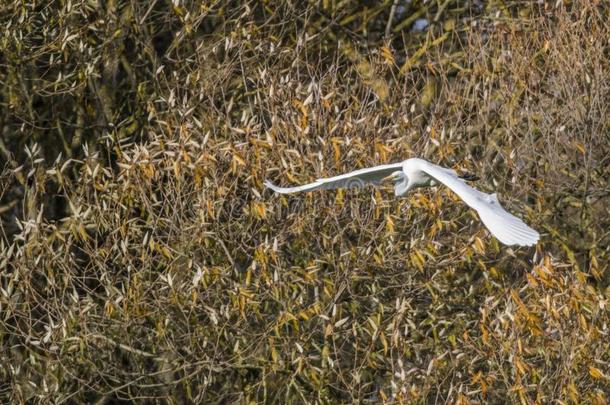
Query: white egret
x,y
413,173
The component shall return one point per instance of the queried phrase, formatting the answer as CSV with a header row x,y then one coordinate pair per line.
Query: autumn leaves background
x,y
142,259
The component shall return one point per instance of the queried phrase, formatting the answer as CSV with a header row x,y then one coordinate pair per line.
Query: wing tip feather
x,y
508,229
275,188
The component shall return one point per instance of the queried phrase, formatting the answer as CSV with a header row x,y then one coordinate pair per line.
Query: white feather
x,y
509,229
357,178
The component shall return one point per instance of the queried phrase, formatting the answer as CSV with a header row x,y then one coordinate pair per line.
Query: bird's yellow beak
x,y
392,177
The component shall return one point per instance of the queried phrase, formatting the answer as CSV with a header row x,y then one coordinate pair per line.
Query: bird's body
x,y
413,173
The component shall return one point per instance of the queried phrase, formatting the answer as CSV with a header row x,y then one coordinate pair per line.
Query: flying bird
x,y
413,173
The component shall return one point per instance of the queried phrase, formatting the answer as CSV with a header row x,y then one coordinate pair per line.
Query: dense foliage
x,y
142,259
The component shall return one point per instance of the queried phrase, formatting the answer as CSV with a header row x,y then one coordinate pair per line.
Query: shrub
x,y
142,259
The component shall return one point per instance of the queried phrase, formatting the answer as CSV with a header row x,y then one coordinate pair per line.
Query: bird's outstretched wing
x,y
355,179
509,229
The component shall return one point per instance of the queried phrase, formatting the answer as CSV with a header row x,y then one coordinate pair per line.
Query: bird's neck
x,y
402,187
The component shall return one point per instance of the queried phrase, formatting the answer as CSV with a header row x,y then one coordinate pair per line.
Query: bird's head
x,y
396,177
401,182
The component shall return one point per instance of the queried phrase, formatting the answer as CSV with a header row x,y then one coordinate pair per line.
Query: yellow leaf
x,y
462,400
261,143
238,159
248,276
476,377
177,168
573,392
258,210
380,87
521,366
339,198
165,252
372,323
303,315
325,352
337,151
596,373
531,280
382,150
384,341
479,246
178,10
449,25
386,53
304,112
518,301
428,92
82,232
109,308
484,334
389,224
418,260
